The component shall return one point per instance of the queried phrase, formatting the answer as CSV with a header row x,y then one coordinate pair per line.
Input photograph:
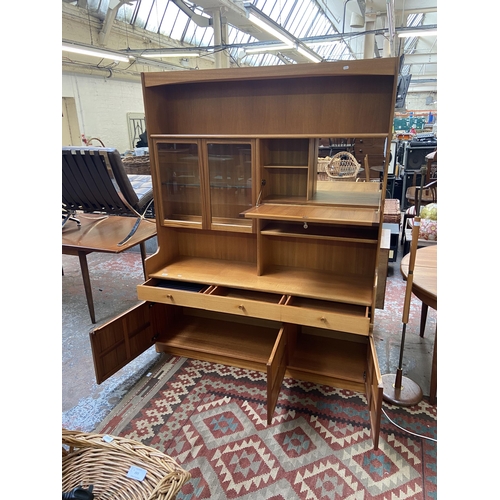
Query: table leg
x,y
423,318
86,283
433,389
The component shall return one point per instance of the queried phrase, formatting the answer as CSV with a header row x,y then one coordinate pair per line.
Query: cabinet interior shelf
x,y
340,362
319,232
210,338
309,283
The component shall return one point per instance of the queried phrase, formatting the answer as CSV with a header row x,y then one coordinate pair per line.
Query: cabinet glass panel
x,y
230,174
179,169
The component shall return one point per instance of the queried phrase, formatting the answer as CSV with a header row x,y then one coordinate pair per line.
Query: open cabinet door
x,y
121,340
276,367
374,391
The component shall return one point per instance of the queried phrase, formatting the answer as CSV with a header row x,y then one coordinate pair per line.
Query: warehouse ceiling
x,y
225,33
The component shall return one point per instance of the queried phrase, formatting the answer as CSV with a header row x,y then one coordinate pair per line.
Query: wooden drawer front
x,y
323,314
245,302
172,292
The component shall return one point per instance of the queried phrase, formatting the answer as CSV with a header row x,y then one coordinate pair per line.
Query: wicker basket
x,y
392,212
139,165
323,163
88,459
343,167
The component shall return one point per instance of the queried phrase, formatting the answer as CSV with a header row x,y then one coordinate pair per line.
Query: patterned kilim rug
x,y
212,420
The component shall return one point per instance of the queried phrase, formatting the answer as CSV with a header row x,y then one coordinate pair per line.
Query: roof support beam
x,y
114,6
203,22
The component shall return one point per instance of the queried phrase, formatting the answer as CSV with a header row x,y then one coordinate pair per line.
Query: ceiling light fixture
x,y
357,20
267,24
410,33
309,54
270,29
103,54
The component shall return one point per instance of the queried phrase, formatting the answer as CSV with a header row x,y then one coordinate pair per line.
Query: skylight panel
x,y
317,21
99,7
174,23
276,10
142,13
156,15
300,19
125,13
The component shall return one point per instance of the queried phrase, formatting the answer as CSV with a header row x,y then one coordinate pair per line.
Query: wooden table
x,y
96,234
424,287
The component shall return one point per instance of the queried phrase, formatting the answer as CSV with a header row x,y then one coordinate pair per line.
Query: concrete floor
x,y
114,279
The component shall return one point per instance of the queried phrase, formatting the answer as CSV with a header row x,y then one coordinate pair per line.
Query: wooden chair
x,y
429,193
94,181
419,196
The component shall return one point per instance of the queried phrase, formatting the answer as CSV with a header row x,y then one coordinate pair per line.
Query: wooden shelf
x,y
321,357
283,280
215,338
323,214
321,232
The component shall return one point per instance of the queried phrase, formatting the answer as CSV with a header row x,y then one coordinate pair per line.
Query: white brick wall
x,y
102,106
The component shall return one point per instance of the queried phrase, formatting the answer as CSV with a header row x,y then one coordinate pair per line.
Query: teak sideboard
x,y
259,264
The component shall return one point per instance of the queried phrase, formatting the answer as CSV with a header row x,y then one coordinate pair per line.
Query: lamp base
x,y
408,394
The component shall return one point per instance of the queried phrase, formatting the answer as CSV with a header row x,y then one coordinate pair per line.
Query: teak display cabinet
x,y
259,264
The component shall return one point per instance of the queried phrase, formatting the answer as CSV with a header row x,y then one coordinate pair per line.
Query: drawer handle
x,y
242,307
323,319
169,295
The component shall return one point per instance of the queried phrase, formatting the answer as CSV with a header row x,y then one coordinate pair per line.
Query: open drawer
x,y
174,292
349,318
241,302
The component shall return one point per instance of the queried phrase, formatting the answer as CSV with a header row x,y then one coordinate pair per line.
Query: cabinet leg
x,y
86,283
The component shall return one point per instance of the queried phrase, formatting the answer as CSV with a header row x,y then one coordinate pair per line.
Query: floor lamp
x,y
401,390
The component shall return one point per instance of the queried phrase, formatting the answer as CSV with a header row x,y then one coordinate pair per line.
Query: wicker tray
x,y
89,460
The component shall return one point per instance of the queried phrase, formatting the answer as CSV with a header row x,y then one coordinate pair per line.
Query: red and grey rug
x,y
211,419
